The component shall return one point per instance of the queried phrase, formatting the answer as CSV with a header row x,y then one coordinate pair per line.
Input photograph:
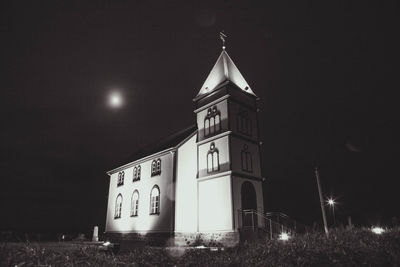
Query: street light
x,y
331,203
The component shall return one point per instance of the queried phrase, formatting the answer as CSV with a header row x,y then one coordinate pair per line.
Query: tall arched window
x,y
135,204
247,162
212,159
120,178
156,167
155,200
118,207
212,121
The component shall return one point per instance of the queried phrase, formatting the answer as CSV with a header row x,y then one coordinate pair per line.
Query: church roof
x,y
224,69
160,145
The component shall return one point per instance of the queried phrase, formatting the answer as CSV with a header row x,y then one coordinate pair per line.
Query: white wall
x,y
215,204
144,222
186,188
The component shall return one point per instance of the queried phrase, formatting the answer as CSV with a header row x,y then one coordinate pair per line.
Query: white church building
x,y
196,182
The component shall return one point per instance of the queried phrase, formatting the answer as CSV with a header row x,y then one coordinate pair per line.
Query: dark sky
x,y
326,74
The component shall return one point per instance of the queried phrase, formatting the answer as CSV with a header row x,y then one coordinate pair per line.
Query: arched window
x,y
135,204
155,200
247,162
118,207
212,121
243,122
212,159
120,178
156,167
136,173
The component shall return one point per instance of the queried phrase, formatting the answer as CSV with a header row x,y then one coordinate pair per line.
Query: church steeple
x,y
224,70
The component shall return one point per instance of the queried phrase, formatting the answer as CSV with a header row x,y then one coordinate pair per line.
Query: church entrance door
x,y
249,205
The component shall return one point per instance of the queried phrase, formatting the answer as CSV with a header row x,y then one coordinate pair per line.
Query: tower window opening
x,y
243,121
212,159
247,162
212,121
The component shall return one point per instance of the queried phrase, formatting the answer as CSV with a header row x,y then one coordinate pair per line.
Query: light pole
x,y
331,202
321,199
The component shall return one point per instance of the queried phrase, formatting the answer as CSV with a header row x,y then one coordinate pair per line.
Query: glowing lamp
x,y
284,236
331,202
377,230
106,244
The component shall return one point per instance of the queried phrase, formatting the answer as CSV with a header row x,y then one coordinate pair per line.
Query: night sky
x,y
326,75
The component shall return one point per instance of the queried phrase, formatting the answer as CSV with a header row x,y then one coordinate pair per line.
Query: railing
x,y
253,220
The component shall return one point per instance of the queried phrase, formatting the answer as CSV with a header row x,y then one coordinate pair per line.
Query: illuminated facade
x,y
196,181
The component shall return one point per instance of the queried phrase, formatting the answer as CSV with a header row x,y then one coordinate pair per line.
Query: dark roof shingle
x,y
160,145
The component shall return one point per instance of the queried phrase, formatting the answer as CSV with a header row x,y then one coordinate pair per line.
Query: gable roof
x,y
170,141
224,69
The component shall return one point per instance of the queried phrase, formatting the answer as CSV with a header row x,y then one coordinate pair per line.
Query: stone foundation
x,y
212,239
128,240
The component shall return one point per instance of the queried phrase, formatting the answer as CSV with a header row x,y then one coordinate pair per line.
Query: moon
x,y
115,99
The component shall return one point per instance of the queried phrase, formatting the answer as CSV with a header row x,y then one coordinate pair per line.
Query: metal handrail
x,y
270,226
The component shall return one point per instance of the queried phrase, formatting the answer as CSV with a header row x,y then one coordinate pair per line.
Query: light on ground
x,y
377,230
284,236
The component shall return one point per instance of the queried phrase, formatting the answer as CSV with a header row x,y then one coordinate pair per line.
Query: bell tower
x,y
228,152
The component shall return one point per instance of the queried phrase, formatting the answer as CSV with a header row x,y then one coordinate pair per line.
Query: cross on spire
x,y
222,36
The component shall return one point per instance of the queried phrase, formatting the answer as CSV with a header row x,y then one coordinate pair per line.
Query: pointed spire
x,y
223,70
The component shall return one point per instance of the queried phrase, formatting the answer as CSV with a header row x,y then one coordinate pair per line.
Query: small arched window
x,y
139,169
155,200
156,167
212,159
153,167
136,174
247,162
135,204
120,178
118,207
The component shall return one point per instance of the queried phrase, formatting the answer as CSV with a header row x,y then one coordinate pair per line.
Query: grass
x,y
343,248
